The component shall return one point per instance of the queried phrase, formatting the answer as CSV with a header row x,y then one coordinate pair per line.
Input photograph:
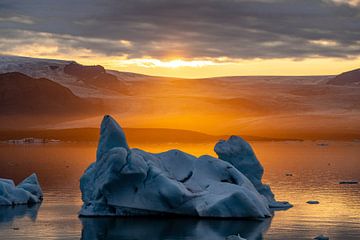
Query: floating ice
x,y
349,182
128,182
321,237
27,192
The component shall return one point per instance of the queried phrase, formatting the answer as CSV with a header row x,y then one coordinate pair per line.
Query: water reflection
x,y
173,228
316,172
9,213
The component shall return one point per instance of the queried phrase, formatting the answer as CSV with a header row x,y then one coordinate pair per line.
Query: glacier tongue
x,y
27,192
132,182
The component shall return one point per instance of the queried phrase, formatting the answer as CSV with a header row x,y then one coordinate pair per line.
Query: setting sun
x,y
157,63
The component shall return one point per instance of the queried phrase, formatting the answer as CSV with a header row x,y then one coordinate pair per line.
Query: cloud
x,y
202,29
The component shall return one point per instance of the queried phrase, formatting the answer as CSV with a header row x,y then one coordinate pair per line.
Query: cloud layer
x,y
202,29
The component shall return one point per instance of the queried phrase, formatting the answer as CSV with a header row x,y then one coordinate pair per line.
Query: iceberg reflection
x,y
10,213
171,228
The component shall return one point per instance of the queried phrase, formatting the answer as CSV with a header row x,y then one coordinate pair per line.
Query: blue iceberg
x,y
132,182
27,192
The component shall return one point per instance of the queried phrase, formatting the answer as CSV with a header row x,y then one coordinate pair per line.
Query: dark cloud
x,y
200,29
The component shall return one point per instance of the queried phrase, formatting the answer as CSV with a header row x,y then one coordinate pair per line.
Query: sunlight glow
x,y
349,2
153,63
324,42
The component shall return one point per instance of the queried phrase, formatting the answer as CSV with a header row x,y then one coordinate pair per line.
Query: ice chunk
x,y
321,237
349,182
126,181
27,192
239,153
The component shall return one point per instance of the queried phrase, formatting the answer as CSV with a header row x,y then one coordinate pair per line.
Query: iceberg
x,y
349,182
132,182
321,237
27,192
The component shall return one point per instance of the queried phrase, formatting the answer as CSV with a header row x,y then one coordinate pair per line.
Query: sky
x,y
192,39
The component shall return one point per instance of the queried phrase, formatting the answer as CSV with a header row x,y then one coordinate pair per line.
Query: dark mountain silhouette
x,y
350,78
23,95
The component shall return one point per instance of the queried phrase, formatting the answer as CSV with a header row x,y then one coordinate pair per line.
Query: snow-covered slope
x,y
96,84
27,192
350,78
37,68
126,181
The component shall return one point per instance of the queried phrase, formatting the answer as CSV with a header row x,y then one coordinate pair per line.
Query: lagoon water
x,y
297,172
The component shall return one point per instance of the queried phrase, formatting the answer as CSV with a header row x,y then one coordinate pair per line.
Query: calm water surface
x,y
316,171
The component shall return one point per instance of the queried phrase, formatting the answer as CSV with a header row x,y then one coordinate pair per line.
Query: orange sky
x,y
202,68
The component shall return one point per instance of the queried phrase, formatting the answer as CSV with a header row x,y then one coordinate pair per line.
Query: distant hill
x,y
306,107
24,95
83,81
350,78
142,135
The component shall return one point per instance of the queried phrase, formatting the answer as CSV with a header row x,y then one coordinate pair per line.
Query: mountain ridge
x,y
21,94
308,107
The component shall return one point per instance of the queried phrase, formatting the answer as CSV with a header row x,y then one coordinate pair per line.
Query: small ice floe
x,y
312,202
31,140
27,192
280,205
349,182
321,237
323,144
235,237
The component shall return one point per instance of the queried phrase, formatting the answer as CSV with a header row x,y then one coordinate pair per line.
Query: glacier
x,y
132,182
26,192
